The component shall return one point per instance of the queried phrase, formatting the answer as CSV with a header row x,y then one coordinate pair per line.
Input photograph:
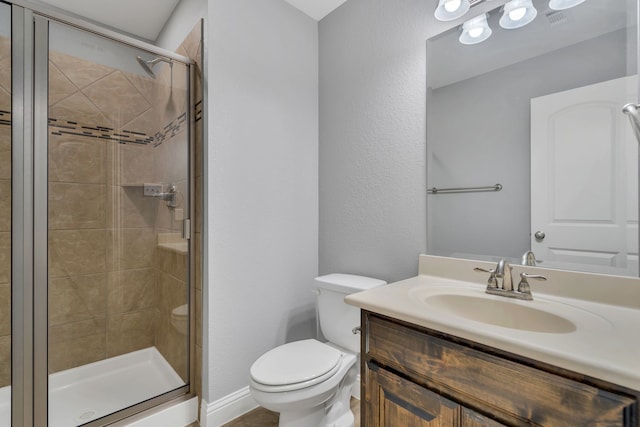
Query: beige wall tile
x,y
79,71
5,361
131,248
198,261
172,263
132,290
5,151
77,108
5,73
136,210
76,298
171,159
73,206
199,149
5,309
136,164
145,85
198,373
76,252
118,99
5,257
76,344
130,332
191,44
173,346
5,100
172,294
5,205
77,159
199,196
146,123
5,46
198,334
60,86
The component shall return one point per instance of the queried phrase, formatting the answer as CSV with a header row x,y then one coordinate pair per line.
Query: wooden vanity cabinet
x,y
412,376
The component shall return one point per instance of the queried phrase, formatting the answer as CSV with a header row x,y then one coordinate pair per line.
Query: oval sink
x,y
544,315
506,314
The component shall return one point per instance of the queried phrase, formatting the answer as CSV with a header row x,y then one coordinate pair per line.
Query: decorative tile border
x,y
169,131
5,118
67,127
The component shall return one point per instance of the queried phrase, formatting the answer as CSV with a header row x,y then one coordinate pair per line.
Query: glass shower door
x,y
5,214
118,194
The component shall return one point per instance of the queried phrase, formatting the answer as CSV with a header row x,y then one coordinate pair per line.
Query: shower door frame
x,y
29,293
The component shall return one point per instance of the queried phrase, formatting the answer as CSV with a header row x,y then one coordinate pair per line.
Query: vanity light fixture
x,y
563,4
475,30
517,14
449,10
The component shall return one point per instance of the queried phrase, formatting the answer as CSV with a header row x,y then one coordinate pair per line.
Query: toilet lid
x,y
295,362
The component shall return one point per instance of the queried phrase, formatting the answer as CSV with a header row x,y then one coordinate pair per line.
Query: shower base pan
x,y
83,394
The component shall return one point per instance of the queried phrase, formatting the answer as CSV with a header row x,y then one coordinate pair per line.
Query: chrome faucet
x,y
503,271
501,281
529,258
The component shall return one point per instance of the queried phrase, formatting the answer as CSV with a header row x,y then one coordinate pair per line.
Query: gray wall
x,y
372,138
261,185
486,141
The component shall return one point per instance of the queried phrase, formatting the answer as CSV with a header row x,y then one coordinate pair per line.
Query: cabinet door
x,y
473,419
392,401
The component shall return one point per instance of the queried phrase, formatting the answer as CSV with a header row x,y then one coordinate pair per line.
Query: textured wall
x,y
262,185
373,138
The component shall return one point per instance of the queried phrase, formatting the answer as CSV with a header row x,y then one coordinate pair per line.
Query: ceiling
x,y
143,18
146,18
317,9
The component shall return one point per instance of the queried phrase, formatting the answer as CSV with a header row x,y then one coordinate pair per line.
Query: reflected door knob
x,y
539,236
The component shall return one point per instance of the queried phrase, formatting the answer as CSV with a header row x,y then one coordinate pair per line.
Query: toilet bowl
x,y
310,382
304,388
180,319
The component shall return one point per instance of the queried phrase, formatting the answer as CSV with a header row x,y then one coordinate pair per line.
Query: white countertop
x,y
604,345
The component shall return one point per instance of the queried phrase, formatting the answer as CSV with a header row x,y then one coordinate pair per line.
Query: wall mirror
x,y
538,110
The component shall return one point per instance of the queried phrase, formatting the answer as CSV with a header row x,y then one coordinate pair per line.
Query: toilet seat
x,y
294,366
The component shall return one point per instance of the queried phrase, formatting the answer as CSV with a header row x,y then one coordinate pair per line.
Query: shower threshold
x,y
83,394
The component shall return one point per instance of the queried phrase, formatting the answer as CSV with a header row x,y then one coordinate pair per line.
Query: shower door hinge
x,y
186,229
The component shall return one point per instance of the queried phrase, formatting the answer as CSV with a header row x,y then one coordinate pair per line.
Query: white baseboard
x,y
227,408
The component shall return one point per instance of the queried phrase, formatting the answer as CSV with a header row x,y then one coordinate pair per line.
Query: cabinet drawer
x,y
485,381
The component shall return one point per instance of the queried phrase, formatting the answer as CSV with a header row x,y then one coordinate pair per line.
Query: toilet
x,y
310,382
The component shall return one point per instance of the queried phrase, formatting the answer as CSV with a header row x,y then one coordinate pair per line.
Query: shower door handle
x,y
186,229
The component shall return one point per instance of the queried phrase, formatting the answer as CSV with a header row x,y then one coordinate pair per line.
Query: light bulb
x,y
517,14
476,32
452,6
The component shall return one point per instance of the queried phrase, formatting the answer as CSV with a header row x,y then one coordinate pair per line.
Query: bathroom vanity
x,y
430,359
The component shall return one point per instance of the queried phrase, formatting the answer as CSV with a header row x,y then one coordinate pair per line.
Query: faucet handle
x,y
523,286
492,282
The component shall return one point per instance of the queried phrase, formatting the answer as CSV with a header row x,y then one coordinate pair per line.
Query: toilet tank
x,y
337,319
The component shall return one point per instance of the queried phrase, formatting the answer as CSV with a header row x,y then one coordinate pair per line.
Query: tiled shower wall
x,y
111,288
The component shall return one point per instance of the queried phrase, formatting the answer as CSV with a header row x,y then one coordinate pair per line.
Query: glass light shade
x,y
446,12
513,10
475,30
563,4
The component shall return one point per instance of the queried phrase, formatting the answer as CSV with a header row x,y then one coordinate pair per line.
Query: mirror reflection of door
x,y
585,205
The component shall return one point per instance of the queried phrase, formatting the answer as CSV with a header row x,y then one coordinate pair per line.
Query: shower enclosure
x,y
96,196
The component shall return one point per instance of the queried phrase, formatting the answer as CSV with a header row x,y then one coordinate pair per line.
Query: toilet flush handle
x,y
356,330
